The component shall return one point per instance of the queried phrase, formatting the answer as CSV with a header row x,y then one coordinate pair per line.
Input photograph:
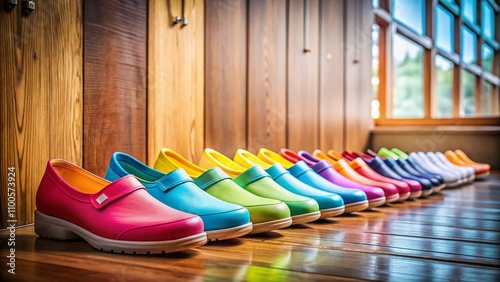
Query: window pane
x,y
444,29
485,100
469,10
375,3
443,100
410,13
487,56
487,20
468,46
375,59
467,103
408,79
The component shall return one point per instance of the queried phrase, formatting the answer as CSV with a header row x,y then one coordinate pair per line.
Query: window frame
x,y
389,26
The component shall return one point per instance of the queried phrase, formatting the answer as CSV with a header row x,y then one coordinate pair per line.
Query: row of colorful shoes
x,y
179,205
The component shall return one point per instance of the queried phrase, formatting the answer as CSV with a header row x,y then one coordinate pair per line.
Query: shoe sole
x,y
415,194
355,207
271,225
453,184
392,198
326,213
438,188
55,228
228,233
304,218
427,192
376,202
481,175
404,196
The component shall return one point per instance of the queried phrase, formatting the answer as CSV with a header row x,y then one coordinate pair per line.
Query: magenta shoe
x,y
117,216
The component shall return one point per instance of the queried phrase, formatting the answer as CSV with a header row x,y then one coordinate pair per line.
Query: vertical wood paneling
x,y
303,79
267,75
331,60
175,79
358,92
114,81
41,97
226,75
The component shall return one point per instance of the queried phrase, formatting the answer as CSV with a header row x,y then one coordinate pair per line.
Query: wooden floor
x,y
454,235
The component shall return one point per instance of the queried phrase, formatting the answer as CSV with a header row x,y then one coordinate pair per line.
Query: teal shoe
x,y
176,189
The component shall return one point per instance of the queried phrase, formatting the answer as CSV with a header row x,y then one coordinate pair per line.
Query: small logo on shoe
x,y
101,198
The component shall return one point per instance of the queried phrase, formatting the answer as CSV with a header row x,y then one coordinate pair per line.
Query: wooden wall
x,y
114,69
263,90
41,96
175,79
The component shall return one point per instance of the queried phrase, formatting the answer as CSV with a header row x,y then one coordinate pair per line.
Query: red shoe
x,y
117,216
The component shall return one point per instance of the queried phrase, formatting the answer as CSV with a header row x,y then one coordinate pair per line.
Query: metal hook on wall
x,y
307,49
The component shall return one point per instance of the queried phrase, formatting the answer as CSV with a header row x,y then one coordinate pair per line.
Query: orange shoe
x,y
460,158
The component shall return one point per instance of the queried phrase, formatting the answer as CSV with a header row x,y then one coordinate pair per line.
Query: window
x,y
436,62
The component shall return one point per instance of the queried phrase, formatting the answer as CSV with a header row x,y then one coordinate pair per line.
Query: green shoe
x,y
265,214
400,153
258,182
386,153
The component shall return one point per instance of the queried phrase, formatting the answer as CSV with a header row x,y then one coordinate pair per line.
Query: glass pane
x,y
376,3
487,20
449,1
468,46
375,59
487,56
444,29
375,78
467,103
408,79
443,100
410,13
469,10
485,100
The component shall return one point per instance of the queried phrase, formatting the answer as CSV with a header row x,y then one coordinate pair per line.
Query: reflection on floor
x,y
454,235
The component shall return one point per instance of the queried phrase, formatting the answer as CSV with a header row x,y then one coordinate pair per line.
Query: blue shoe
x,y
176,189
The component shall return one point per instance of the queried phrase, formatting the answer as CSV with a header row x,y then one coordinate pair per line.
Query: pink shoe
x,y
117,216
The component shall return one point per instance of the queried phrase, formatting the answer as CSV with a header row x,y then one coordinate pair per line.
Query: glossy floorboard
x,y
454,235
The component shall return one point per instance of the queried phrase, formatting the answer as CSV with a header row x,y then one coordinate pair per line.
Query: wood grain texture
x,y
226,75
41,97
358,89
114,81
176,79
331,89
267,75
454,233
303,87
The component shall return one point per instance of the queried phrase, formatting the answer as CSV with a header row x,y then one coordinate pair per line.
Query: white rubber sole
x,y
55,228
404,196
355,207
271,225
326,213
436,189
415,194
482,175
453,184
229,233
426,192
305,218
392,198
376,202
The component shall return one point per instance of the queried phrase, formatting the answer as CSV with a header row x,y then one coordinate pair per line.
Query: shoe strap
x,y
210,177
251,175
173,179
116,190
